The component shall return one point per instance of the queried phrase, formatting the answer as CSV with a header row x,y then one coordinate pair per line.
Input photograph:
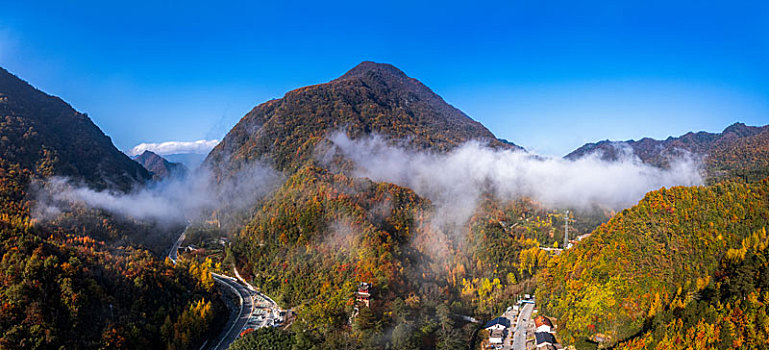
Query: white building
x,y
496,336
496,329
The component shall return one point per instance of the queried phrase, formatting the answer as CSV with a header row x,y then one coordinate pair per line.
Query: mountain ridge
x,y
83,280
45,134
369,98
725,155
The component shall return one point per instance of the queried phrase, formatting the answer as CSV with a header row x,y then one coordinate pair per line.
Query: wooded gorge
x,y
86,279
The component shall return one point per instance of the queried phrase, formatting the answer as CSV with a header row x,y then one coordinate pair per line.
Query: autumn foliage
x,y
650,264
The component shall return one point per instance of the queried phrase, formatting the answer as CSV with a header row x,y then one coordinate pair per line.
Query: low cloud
x,y
454,181
172,201
175,147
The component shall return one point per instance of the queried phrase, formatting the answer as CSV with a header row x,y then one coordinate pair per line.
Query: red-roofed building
x,y
363,295
543,324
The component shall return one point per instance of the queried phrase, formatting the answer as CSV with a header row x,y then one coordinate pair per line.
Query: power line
x,y
566,244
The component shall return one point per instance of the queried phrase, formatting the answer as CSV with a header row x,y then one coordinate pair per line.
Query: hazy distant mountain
x,y
46,135
370,98
159,167
190,160
739,151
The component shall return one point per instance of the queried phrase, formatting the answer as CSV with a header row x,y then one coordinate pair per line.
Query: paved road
x,y
236,321
234,324
273,306
519,337
172,254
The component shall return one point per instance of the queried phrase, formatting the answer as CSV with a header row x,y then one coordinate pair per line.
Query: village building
x,y
496,329
363,295
499,323
496,337
544,340
543,324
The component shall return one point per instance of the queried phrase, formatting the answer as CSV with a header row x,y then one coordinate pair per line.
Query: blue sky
x,y
547,75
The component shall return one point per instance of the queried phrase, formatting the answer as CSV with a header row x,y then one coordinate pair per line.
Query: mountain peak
x,y
737,128
371,98
386,76
159,167
367,67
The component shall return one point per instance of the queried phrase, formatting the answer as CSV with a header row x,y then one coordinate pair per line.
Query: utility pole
x,y
566,231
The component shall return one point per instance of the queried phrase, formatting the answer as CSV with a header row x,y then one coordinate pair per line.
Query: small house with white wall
x,y
496,337
543,324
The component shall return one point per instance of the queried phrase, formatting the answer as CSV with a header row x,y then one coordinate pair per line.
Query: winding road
x,y
174,252
234,325
235,322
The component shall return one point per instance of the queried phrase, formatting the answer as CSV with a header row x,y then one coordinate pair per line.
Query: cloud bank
x,y
454,181
175,147
175,200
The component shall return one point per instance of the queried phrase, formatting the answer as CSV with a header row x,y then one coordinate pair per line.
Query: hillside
x,y
324,231
82,281
370,98
76,293
46,135
739,151
159,167
731,312
337,229
745,157
657,257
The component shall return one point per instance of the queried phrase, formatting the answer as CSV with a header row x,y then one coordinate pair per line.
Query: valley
x,y
377,216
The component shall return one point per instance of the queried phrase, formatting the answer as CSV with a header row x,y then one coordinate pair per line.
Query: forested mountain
x,y
159,167
687,265
370,98
745,158
731,312
739,151
46,135
80,281
324,231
